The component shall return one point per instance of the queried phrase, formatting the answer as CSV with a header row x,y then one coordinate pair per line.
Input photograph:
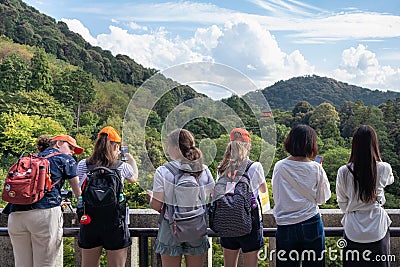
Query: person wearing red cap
x,y
236,157
92,238
36,230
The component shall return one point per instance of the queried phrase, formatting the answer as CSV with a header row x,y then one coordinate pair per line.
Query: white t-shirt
x,y
290,205
256,175
363,222
125,169
164,181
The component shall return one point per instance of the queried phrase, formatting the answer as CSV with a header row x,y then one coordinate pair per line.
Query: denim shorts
x,y
306,236
248,243
167,244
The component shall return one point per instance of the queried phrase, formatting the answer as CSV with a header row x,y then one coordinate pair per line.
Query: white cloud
x,y
360,66
77,26
243,45
153,50
135,26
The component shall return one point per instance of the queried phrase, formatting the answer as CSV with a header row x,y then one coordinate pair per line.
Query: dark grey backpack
x,y
233,214
186,213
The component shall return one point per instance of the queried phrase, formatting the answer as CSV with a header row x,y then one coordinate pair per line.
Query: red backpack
x,y
28,180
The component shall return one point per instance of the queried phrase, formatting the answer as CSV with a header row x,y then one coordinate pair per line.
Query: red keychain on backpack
x,y
85,219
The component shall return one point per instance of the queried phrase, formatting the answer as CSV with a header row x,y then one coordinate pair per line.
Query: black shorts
x,y
109,236
248,243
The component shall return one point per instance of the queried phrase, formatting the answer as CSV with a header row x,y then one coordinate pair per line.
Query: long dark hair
x,y
364,155
103,153
190,153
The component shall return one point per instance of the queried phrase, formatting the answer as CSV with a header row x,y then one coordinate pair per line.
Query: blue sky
x,y
268,40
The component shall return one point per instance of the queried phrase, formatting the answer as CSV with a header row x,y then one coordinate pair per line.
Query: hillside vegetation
x,y
316,90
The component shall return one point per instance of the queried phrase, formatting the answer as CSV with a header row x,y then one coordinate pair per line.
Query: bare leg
x,y
194,261
91,257
171,261
231,257
117,258
251,259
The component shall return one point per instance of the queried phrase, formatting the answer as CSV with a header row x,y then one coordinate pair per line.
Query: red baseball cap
x,y
113,135
240,134
62,137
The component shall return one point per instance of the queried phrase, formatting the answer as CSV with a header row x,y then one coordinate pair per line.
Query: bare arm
x,y
74,182
156,200
131,161
263,188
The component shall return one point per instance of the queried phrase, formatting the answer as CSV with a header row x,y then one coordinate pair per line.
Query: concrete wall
x,y
144,218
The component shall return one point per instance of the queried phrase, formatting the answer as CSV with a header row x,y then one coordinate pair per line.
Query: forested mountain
x,y
25,25
316,90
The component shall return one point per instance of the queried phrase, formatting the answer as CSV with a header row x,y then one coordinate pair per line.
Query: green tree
x,y
302,112
323,115
41,74
14,74
18,132
37,103
74,89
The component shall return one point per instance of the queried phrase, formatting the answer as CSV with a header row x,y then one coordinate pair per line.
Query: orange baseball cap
x,y
62,137
113,134
240,134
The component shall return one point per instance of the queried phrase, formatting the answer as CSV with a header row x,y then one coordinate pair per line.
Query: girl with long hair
x,y
236,157
299,185
100,234
186,157
360,194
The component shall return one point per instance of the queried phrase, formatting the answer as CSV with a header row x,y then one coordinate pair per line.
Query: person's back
x,y
360,194
235,158
290,205
299,185
188,158
36,229
105,227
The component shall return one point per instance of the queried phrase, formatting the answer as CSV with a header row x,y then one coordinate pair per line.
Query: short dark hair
x,y
302,141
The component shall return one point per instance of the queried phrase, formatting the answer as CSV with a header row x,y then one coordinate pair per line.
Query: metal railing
x,y
144,233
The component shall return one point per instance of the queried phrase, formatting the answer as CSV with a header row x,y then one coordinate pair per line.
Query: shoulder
x,y
280,163
60,157
384,165
82,163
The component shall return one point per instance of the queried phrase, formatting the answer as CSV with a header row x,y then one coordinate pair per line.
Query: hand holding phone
x,y
124,151
319,159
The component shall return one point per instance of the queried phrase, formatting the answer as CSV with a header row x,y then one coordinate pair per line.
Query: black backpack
x,y
101,193
234,213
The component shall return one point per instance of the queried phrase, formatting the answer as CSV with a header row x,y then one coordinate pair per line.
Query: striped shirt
x,y
125,169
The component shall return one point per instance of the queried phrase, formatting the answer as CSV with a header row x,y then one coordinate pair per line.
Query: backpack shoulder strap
x,y
116,165
171,168
248,165
50,155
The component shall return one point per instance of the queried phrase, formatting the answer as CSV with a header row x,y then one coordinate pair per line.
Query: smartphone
x,y
124,150
319,159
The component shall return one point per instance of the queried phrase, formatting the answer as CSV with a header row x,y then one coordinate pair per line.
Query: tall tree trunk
x,y
78,115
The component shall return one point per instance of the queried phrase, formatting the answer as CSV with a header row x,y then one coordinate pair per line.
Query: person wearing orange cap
x,y
92,237
36,230
235,158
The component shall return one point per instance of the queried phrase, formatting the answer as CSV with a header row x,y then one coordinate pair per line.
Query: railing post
x,y
6,252
143,251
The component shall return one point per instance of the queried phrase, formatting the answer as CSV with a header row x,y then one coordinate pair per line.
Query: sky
x,y
357,42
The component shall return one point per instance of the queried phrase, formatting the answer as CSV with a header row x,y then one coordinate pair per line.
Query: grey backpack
x,y
186,212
